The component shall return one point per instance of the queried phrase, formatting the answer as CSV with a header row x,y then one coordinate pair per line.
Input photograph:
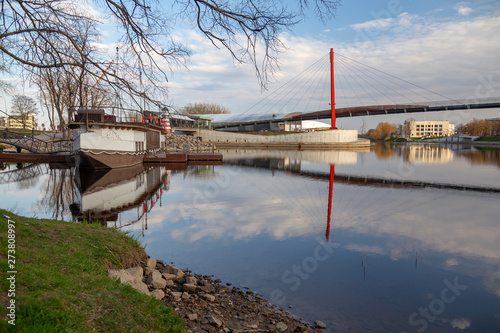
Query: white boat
x,y
103,141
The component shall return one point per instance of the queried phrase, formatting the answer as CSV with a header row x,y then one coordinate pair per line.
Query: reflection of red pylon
x,y
330,194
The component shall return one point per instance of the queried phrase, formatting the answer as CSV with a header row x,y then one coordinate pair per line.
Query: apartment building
x,y
430,128
16,122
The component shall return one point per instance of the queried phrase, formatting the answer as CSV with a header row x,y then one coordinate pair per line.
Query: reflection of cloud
x,y
395,223
451,262
284,207
460,323
256,215
492,280
365,249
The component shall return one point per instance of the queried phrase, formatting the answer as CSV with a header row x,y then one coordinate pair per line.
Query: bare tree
x,y
407,127
24,107
42,34
204,108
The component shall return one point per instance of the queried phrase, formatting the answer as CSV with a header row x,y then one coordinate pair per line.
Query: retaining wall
x,y
310,140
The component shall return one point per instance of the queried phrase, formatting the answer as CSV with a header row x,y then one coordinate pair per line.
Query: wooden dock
x,y
35,158
183,158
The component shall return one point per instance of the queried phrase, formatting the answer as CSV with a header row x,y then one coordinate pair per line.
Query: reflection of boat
x,y
108,141
103,194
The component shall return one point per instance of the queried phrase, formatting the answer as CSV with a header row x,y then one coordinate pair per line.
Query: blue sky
x,y
449,47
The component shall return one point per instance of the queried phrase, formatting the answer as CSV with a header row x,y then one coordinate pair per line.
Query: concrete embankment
x,y
331,139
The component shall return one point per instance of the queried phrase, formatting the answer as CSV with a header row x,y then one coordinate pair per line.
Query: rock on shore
x,y
177,143
205,304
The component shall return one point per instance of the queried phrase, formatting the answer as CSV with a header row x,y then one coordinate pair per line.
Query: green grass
x,y
396,140
62,283
492,138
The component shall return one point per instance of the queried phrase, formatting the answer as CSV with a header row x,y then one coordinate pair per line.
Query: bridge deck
x,y
372,110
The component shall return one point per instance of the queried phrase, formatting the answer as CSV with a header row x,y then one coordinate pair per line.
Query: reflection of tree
x,y
28,177
59,193
383,150
480,157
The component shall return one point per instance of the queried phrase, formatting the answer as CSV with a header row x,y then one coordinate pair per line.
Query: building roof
x,y
242,118
180,117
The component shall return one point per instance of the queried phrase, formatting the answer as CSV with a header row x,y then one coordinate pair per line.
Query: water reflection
x,y
428,154
101,195
482,156
327,233
259,224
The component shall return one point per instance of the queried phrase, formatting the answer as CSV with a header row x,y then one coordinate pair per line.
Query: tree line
x,y
480,127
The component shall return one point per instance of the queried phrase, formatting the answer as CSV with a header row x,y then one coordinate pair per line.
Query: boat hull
x,y
105,159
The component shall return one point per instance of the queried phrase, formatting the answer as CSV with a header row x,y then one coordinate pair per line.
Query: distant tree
x,y
406,127
481,127
22,106
459,129
383,131
204,108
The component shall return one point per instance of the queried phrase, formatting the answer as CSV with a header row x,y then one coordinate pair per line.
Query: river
x,y
410,243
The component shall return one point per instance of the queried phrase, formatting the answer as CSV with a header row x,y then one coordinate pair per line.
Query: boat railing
x,y
115,115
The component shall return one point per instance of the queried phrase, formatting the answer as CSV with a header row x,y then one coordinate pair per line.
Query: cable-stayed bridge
x,y
353,89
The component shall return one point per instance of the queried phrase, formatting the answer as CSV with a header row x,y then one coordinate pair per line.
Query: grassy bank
x,y
61,284
495,138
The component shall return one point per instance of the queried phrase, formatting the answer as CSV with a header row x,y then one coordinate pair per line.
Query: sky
x,y
448,47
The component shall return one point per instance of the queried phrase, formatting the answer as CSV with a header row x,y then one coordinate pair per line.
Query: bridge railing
x,y
36,145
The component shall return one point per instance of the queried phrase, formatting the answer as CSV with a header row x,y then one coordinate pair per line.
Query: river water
x,y
396,239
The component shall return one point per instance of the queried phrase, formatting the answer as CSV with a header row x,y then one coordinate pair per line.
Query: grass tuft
x,y
62,283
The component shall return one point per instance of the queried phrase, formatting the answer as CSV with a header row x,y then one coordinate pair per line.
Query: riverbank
x,y
61,283
321,140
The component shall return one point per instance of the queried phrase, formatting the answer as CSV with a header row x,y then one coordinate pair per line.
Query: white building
x,y
19,122
303,125
429,128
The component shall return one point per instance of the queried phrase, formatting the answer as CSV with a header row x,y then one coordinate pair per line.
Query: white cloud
x,y
447,57
373,24
463,10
